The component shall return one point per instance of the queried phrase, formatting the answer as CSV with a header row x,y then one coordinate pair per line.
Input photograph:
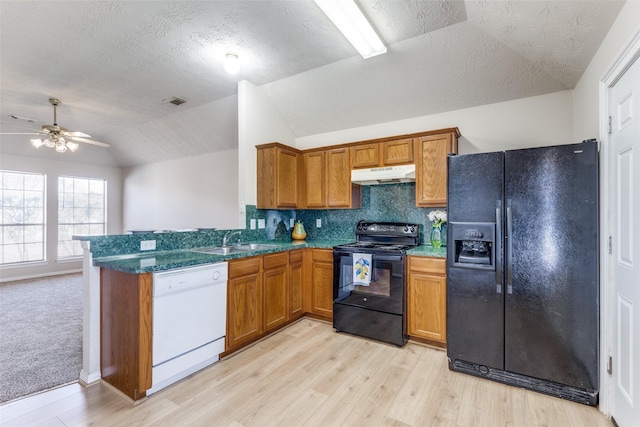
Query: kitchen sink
x,y
220,250
256,246
227,250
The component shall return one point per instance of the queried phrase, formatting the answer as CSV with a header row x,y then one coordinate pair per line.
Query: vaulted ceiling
x,y
115,65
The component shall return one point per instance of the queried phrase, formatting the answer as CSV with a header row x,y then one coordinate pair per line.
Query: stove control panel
x,y
388,228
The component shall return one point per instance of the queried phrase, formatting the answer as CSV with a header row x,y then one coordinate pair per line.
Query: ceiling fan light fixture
x,y
37,142
72,146
232,63
60,147
49,143
352,23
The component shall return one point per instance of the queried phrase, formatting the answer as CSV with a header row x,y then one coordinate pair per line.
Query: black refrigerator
x,y
522,268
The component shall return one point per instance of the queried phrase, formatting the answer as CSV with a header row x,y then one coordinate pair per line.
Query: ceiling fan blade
x,y
20,133
90,141
76,134
22,127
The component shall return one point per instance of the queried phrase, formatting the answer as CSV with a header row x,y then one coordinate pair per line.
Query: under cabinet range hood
x,y
384,175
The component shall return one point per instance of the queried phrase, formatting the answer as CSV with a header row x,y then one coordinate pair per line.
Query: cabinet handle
x,y
497,246
509,249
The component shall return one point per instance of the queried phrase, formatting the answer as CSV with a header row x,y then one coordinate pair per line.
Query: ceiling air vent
x,y
26,119
175,100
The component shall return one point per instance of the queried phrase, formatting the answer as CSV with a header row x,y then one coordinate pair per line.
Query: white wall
x,y
200,191
585,94
258,123
53,169
528,122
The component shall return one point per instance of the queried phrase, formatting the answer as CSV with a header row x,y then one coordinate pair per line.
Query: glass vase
x,y
436,236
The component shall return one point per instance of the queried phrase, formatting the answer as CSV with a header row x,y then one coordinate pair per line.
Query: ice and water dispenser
x,y
472,245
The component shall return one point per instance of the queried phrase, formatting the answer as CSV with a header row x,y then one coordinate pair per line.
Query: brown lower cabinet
x,y
320,283
275,283
427,299
264,293
244,301
296,280
125,337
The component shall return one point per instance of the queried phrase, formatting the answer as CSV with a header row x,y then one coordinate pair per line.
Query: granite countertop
x,y
145,262
428,250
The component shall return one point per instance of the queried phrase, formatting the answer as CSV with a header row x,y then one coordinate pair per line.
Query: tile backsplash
x,y
390,202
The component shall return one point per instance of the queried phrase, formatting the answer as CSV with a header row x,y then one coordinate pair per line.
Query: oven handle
x,y
374,257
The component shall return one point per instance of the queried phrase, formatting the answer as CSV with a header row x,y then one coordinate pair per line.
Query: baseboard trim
x,y
40,275
89,379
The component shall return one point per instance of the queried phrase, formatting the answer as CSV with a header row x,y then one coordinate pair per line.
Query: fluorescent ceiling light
x,y
346,15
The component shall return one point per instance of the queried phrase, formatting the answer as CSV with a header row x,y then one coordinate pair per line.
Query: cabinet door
x,y
275,283
278,169
427,299
397,152
315,182
244,302
365,156
287,178
322,283
338,178
431,168
295,283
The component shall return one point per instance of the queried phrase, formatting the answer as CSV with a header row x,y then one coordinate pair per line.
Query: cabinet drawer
x,y
323,255
295,256
244,267
275,260
428,265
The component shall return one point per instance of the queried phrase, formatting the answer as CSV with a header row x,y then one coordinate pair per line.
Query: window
x,y
81,211
23,217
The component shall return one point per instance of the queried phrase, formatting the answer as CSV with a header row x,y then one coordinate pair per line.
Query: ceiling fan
x,y
56,136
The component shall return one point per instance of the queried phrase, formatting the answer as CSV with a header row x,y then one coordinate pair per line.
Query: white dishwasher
x,y
189,321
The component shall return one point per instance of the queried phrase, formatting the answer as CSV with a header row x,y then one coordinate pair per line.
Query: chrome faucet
x,y
228,235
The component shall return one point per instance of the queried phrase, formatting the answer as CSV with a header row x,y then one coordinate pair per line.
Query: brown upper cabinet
x,y
341,193
431,167
365,156
279,181
320,178
388,153
328,180
315,182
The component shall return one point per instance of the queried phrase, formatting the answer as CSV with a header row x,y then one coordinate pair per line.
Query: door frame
x,y
620,64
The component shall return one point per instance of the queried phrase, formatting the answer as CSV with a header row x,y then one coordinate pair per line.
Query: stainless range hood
x,y
384,175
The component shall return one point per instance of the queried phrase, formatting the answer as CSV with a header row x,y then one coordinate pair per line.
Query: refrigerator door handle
x,y
509,249
497,245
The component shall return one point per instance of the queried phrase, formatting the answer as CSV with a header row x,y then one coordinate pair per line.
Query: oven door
x,y
385,291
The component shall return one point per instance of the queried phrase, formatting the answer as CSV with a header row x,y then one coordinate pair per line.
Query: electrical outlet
x,y
261,224
318,223
252,223
291,222
148,245
243,207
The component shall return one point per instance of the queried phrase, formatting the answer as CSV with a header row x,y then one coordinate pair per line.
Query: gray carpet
x,y
40,334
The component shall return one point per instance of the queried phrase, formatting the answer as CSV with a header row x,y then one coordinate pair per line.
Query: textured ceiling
x,y
114,63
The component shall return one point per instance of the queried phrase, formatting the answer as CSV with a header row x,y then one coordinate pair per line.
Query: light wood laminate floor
x,y
309,375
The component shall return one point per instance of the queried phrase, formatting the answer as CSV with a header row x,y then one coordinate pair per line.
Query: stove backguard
x,y
472,245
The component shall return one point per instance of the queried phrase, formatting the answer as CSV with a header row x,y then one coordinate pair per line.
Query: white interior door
x,y
624,204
